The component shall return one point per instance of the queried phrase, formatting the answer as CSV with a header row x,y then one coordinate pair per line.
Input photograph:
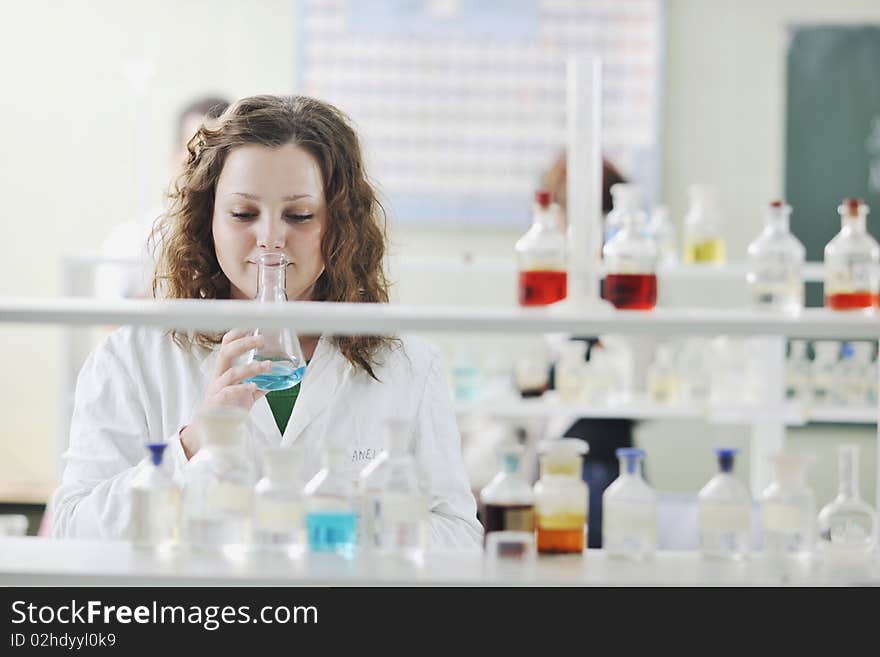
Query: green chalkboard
x,y
832,130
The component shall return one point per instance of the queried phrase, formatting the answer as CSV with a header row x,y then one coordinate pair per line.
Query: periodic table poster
x,y
460,104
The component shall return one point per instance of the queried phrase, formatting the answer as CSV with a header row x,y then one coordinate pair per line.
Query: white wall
x,y
69,124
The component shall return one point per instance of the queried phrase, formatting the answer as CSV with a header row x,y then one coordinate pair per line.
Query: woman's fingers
x,y
235,348
239,373
242,395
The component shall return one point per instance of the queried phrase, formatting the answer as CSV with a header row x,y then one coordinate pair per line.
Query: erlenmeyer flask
x,y
281,346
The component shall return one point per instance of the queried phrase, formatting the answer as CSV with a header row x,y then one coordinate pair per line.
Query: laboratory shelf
x,y
30,561
843,414
467,262
638,408
359,319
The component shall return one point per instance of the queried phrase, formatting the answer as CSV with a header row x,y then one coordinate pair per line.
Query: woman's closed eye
x,y
244,215
298,218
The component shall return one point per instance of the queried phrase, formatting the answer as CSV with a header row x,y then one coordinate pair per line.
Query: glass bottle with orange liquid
x,y
541,256
561,497
631,265
852,261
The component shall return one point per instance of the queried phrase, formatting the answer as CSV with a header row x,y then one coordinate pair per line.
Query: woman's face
x,y
269,199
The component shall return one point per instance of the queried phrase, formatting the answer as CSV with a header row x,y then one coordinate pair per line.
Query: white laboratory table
x,y
29,561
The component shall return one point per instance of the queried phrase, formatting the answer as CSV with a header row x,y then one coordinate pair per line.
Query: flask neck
x,y
779,218
854,221
848,472
272,278
544,218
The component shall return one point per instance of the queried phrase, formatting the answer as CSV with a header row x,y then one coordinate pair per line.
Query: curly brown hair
x,y
353,244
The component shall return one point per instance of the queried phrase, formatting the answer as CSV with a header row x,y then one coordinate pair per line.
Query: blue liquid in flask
x,y
282,376
331,531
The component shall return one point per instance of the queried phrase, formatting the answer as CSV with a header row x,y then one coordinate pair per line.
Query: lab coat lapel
x,y
260,422
324,376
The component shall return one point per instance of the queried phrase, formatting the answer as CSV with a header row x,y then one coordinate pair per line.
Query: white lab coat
x,y
139,386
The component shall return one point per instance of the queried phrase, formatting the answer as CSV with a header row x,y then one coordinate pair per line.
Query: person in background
x,y
603,435
128,241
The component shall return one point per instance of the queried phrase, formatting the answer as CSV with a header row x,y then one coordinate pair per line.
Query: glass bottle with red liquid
x,y
541,256
630,259
852,261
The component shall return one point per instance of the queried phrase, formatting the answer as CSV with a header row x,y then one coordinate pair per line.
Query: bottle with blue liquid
x,y
330,505
629,511
279,346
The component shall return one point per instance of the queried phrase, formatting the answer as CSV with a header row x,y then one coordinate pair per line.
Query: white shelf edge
x,y
466,262
365,319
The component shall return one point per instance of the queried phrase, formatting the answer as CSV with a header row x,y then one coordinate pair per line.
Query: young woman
x,y
272,174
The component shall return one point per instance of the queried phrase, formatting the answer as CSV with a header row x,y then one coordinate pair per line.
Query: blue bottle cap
x,y
847,351
725,457
631,456
156,451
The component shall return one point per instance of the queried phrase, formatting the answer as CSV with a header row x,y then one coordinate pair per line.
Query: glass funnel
x,y
281,346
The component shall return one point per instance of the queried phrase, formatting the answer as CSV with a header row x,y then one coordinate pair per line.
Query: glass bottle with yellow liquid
x,y
703,242
561,497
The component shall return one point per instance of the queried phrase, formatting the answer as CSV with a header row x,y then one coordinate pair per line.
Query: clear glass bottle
x,y
788,509
663,233
852,261
856,374
626,199
843,388
694,367
775,264
847,526
507,508
561,497
155,504
629,510
797,372
725,509
281,346
630,259
661,378
219,484
571,370
864,377
823,370
703,240
394,515
279,522
330,505
541,258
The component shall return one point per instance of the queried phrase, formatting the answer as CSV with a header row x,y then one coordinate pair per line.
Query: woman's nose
x,y
271,235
